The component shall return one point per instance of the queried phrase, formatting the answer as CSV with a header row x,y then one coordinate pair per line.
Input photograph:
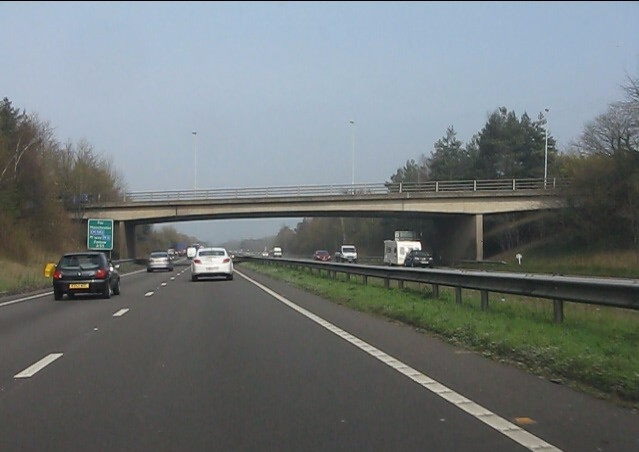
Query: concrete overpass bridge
x,y
457,207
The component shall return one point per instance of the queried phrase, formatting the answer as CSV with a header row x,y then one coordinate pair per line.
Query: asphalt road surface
x,y
256,365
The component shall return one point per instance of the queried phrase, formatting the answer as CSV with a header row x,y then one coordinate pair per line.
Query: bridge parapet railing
x,y
387,188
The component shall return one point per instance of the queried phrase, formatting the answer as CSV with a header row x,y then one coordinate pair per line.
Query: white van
x,y
277,251
191,251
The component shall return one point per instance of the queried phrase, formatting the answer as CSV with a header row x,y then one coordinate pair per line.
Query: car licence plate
x,y
79,286
211,268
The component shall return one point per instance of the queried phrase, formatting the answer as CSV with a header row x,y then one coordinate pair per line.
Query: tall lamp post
x,y
546,149
544,120
353,152
194,159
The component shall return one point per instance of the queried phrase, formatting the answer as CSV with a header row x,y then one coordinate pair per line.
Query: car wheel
x,y
57,294
193,278
106,293
116,289
148,270
229,277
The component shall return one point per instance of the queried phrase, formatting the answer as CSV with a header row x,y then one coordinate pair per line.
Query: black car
x,y
418,258
88,272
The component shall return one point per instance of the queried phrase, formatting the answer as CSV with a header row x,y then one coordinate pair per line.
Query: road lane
x,y
220,365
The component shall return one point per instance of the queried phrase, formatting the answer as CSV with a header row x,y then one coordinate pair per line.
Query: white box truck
x,y
395,251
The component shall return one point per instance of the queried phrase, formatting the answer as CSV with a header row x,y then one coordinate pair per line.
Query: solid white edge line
x,y
121,312
37,367
503,426
20,300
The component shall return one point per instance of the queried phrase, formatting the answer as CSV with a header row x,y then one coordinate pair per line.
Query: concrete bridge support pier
x,y
126,239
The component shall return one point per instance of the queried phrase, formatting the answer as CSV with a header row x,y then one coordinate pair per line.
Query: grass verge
x,y
594,350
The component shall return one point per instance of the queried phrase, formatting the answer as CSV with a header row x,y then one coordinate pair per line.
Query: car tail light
x,y
226,260
57,274
197,261
101,273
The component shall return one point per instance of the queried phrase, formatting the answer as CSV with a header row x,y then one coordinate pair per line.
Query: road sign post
x,y
100,234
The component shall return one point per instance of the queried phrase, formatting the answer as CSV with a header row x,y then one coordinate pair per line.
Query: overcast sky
x,y
271,87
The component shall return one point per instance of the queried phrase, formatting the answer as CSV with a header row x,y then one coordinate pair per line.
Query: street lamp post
x,y
353,152
194,159
546,149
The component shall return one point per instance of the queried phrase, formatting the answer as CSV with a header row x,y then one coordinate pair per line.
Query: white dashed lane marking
x,y
37,367
121,312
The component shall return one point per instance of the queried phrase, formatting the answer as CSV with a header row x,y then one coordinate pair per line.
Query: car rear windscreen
x,y
83,261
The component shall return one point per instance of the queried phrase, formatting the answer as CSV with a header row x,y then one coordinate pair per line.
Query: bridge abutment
x,y
460,237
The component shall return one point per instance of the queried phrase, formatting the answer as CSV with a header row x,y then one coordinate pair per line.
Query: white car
x,y
211,261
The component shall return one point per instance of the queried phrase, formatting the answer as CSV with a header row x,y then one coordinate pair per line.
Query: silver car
x,y
159,260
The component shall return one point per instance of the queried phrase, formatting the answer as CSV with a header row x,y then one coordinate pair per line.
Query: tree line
x,y
42,180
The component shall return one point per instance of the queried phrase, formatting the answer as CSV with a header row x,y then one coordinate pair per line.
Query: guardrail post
x,y
400,284
558,311
458,299
364,279
514,185
435,290
484,300
386,283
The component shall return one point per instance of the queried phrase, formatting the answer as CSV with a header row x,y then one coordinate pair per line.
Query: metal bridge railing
x,y
490,185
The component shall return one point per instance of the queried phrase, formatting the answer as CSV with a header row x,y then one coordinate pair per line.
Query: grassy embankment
x,y
594,349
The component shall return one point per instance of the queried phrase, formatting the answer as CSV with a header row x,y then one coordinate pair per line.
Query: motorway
x,y
256,365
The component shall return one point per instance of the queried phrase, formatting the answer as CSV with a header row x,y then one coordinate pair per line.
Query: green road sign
x,y
100,234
